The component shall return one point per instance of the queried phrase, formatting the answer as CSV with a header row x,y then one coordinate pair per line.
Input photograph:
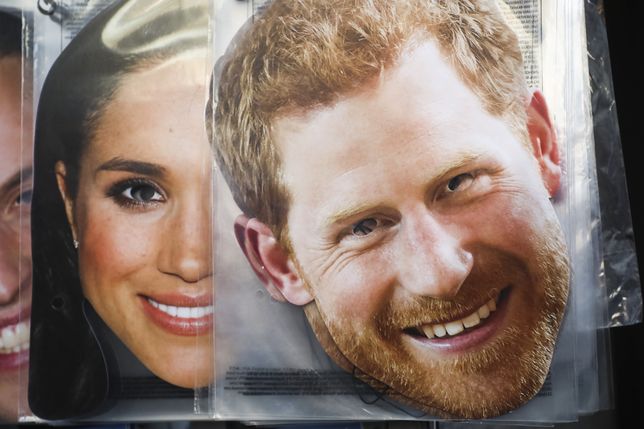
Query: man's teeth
x,y
457,326
14,338
183,312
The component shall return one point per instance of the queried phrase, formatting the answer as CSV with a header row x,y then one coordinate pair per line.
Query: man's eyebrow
x,y
347,213
459,161
133,166
14,181
456,163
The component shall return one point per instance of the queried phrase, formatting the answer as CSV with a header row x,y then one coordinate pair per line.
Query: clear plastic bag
x,y
620,259
122,315
268,361
255,375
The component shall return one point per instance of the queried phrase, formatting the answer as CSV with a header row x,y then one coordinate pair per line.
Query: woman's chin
x,y
190,371
188,380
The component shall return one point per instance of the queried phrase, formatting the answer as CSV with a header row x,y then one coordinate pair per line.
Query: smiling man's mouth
x,y
455,327
479,318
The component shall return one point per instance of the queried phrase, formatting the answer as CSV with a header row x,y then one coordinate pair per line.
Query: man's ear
x,y
544,142
271,262
61,175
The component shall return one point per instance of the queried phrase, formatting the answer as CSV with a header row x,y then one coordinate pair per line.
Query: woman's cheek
x,y
113,245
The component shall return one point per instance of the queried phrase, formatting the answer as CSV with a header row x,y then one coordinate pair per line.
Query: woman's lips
x,y
19,309
14,345
179,314
468,332
14,336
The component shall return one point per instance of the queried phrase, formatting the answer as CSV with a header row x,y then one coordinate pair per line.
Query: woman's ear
x,y
544,142
271,262
61,175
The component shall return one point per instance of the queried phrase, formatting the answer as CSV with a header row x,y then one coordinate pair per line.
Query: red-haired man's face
x,y
422,229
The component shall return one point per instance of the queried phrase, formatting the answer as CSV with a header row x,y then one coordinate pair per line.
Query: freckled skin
x,y
388,154
15,284
126,252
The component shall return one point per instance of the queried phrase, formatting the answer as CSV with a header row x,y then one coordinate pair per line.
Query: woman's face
x,y
15,279
142,217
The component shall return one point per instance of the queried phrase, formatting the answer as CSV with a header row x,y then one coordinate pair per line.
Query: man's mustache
x,y
485,282
426,310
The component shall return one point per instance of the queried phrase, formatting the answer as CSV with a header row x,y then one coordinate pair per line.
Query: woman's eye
x,y
460,182
365,227
142,194
24,198
136,193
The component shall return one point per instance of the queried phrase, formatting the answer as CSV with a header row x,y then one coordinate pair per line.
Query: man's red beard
x,y
485,382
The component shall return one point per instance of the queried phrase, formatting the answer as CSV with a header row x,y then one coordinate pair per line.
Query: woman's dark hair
x,y
68,374
10,34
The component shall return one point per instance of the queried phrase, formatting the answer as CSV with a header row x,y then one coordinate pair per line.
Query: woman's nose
x,y
433,260
187,248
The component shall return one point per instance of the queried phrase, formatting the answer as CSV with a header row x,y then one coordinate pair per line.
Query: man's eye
x,y
460,182
142,194
365,227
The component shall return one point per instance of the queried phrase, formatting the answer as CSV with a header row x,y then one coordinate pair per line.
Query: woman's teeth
x,y
14,338
457,326
183,312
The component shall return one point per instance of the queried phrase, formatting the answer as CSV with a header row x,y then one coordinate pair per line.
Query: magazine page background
x,y
267,344
142,401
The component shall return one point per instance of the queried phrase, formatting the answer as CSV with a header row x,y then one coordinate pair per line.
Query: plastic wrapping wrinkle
x,y
620,258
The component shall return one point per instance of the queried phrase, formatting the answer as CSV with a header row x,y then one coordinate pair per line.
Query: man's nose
x,y
186,250
9,268
433,261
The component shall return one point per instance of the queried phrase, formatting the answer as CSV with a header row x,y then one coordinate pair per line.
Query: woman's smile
x,y
180,314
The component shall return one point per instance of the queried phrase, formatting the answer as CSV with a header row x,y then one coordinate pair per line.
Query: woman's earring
x,y
75,244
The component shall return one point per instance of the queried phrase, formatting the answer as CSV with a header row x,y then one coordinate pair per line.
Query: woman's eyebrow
x,y
133,166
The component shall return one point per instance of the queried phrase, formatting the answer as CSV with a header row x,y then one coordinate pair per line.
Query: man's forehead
x,y
421,64
415,48
422,95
